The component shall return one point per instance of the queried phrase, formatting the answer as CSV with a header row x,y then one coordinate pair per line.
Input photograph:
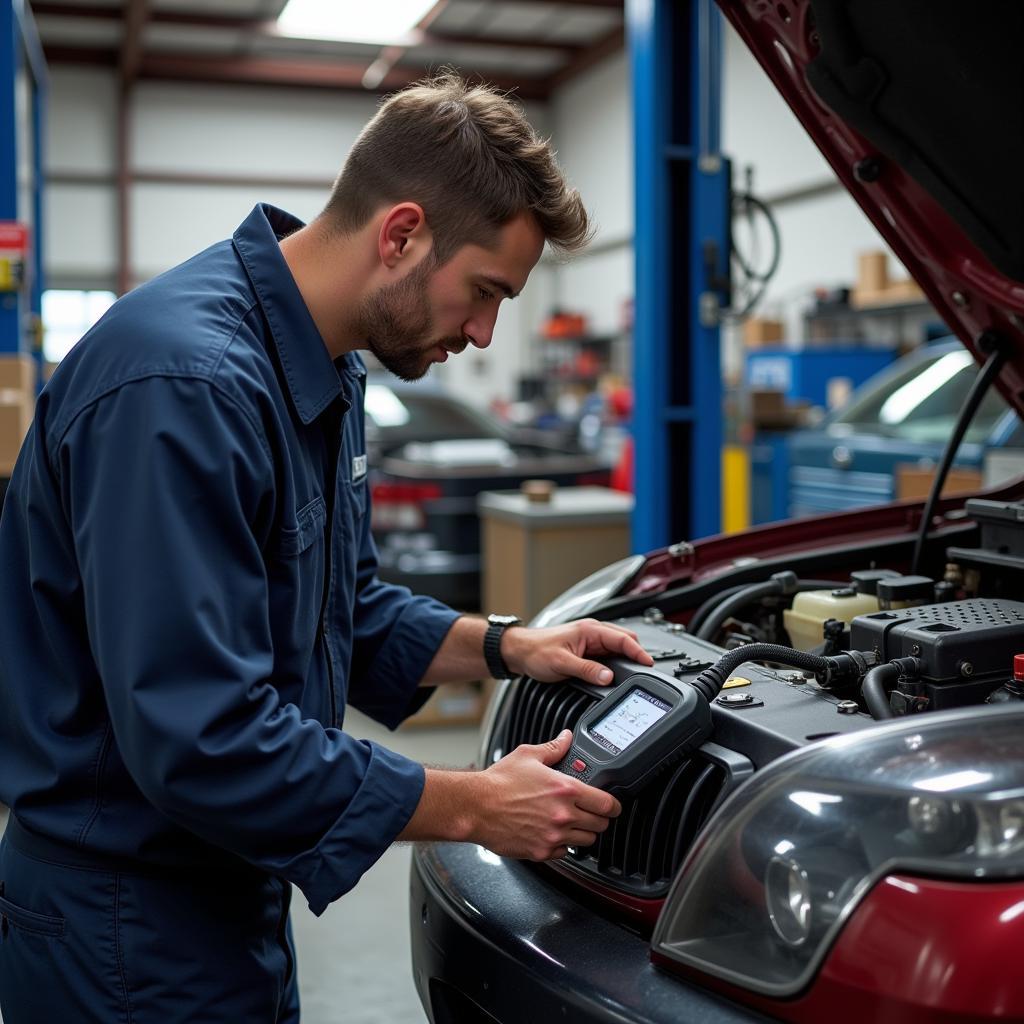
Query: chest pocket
x,y
310,523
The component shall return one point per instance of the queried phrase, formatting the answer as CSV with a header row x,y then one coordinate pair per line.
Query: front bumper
x,y
492,943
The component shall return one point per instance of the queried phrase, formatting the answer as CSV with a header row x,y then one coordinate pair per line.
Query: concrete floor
x,y
354,961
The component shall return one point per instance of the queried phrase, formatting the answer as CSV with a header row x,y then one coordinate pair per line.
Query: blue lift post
x,y
20,50
682,257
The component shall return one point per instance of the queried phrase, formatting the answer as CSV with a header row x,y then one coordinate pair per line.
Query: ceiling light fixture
x,y
356,21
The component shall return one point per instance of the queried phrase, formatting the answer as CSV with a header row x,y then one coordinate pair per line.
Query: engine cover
x,y
966,643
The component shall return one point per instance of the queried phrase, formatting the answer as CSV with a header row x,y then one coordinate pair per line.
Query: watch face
x,y
504,620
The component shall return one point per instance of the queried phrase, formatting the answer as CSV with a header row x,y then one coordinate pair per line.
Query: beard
x,y
397,325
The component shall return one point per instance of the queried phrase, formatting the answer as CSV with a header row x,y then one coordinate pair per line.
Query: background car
x,y
900,417
429,456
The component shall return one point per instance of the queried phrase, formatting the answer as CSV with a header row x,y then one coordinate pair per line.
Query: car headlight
x,y
786,859
574,603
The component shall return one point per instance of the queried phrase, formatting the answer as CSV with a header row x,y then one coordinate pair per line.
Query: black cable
x,y
735,598
709,605
781,584
849,664
752,277
978,389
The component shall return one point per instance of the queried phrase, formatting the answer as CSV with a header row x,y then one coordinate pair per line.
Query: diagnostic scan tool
x,y
640,727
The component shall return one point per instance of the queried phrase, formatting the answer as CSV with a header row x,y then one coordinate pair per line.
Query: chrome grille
x,y
643,848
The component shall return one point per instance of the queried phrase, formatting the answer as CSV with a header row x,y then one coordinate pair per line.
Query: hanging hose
x,y
849,664
978,390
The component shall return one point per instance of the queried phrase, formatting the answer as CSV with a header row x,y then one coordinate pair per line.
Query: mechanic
x,y
189,595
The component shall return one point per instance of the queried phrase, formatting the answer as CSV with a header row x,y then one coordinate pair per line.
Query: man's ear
x,y
404,236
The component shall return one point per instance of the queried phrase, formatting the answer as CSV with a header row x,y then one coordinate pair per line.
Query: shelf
x,y
897,309
597,339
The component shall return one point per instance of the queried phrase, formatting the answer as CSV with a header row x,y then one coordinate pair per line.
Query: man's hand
x,y
535,813
561,652
519,807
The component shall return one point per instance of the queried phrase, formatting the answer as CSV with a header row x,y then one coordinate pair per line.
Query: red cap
x,y
1018,667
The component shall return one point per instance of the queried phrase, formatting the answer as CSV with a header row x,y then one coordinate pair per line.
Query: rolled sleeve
x,y
387,798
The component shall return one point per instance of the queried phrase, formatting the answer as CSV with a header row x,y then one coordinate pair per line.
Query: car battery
x,y
965,648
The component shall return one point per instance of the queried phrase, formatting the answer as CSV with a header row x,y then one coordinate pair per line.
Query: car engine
x,y
803,660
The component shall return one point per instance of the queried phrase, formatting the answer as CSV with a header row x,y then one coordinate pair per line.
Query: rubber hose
x,y
707,628
709,683
743,597
873,690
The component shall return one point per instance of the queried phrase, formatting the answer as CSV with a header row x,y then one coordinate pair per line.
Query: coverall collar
x,y
312,377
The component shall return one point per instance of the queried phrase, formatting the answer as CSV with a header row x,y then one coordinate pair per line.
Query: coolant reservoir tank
x,y
805,621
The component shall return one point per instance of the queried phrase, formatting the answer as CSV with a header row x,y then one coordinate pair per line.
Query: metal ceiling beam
x,y
135,15
106,56
439,37
198,19
305,74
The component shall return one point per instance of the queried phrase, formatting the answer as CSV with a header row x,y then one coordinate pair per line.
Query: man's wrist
x,y
513,648
449,809
494,644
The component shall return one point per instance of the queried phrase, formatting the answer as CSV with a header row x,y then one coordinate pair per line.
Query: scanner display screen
x,y
628,720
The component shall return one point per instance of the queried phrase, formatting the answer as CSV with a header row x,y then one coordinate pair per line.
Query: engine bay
x,y
785,660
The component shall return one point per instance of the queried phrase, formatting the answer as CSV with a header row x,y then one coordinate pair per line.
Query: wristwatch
x,y
496,626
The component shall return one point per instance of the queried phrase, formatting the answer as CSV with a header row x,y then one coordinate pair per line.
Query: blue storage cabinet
x,y
804,373
769,477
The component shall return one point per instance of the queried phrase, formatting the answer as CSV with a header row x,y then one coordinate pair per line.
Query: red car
x,y
822,777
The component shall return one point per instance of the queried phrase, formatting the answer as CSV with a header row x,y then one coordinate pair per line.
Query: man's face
x,y
433,312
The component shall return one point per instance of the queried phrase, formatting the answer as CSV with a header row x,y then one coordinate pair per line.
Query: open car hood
x,y
918,105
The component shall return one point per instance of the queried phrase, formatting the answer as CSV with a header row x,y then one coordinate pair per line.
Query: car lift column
x,y
20,51
682,257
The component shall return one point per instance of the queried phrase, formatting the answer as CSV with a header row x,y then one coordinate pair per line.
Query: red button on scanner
x,y
579,766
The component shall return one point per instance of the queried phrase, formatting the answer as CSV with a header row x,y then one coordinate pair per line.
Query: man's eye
x,y
484,293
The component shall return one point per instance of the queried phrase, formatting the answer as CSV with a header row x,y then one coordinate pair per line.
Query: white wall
x,y
80,221
592,128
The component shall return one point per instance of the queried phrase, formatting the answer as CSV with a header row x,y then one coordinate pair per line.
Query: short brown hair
x,y
468,156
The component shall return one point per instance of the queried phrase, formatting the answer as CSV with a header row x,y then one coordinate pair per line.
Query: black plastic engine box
x,y
956,642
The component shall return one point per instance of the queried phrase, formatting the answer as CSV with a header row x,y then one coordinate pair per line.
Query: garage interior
x,y
674,381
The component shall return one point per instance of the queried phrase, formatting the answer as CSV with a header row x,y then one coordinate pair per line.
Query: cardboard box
x,y
16,409
18,371
770,410
758,331
914,482
872,270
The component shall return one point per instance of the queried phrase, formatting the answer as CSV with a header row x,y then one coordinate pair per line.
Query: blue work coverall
x,y
188,600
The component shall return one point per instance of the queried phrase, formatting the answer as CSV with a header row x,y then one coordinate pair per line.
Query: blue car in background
x,y
901,416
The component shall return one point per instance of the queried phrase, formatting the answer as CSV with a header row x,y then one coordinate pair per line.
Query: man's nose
x,y
480,330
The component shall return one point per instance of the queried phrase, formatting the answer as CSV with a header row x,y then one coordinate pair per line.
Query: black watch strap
x,y
496,626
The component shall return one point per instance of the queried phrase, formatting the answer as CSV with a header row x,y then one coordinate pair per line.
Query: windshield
x,y
395,417
922,401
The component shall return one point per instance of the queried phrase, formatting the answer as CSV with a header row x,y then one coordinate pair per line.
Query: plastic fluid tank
x,y
806,619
